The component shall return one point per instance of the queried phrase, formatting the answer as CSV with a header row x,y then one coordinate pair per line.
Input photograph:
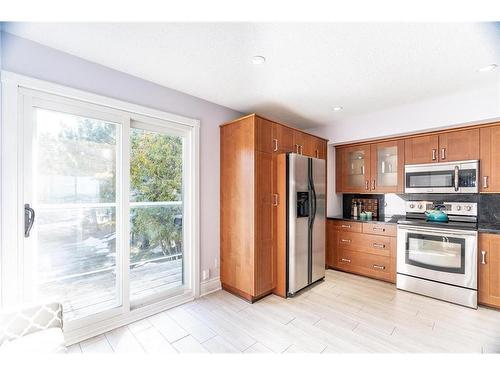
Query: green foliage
x,y
155,176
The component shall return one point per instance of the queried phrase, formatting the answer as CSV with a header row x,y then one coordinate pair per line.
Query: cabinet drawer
x,y
348,226
366,243
376,266
380,229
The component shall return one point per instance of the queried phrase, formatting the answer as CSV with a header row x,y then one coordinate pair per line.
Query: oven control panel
x,y
451,208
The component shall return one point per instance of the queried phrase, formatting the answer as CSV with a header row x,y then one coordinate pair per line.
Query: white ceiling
x,y
310,67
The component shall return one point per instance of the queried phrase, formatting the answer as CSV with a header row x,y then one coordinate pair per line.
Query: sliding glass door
x,y
107,192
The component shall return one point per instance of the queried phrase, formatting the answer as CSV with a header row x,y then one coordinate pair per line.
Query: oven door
x,y
444,255
460,177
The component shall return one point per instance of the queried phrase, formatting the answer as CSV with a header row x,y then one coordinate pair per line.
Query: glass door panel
x,y
357,168
387,167
156,213
74,196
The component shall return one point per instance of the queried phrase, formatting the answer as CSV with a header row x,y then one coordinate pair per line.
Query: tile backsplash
x,y
394,204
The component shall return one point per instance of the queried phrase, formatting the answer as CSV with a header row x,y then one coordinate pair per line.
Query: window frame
x,y
19,91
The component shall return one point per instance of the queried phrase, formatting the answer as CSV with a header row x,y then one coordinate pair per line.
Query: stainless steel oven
x,y
439,259
450,177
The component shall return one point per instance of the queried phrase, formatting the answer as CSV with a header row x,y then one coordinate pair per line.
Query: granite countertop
x,y
489,228
383,219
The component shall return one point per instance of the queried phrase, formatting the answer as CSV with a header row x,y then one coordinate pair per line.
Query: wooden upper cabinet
x,y
299,141
387,168
488,286
459,145
449,146
263,135
339,156
356,169
315,147
282,139
489,157
421,150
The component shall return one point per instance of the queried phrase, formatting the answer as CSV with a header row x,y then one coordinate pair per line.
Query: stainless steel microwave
x,y
450,177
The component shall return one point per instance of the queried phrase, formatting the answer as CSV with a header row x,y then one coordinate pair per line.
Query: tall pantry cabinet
x,y
249,201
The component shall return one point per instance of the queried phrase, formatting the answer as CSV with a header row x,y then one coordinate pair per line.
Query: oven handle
x,y
442,231
456,178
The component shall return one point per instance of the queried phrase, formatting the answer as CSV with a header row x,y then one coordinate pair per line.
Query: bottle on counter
x,y
354,209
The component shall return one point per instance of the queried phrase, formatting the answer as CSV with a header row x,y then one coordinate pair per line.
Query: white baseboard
x,y
210,286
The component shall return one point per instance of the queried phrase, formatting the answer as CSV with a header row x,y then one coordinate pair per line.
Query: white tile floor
x,y
346,313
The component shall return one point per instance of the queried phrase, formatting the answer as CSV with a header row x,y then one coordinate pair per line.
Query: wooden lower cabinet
x,y
332,234
489,270
352,247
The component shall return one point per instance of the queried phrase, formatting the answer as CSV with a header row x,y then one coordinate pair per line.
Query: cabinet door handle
x,y
485,182
376,266
443,153
346,260
373,184
433,154
275,142
379,245
378,228
367,185
275,200
317,154
301,152
345,225
345,241
483,257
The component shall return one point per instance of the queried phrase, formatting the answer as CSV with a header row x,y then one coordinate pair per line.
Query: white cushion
x,y
46,341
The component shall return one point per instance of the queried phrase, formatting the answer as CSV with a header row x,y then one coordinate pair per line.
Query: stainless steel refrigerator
x,y
306,220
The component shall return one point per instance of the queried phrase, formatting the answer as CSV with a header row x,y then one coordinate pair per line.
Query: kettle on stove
x,y
437,214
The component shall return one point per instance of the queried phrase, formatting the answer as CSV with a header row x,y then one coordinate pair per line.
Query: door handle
x,y
345,225
275,200
373,184
483,257
367,185
317,154
346,260
345,241
376,266
485,182
300,147
443,153
297,148
29,219
379,245
433,154
275,142
377,228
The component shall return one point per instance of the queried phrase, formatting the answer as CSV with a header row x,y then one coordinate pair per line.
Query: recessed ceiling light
x,y
487,68
338,108
258,60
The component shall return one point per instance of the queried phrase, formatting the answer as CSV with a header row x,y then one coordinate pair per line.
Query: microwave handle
x,y
456,177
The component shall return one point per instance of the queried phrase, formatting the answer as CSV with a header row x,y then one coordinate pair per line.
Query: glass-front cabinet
x,y
387,167
372,168
356,169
